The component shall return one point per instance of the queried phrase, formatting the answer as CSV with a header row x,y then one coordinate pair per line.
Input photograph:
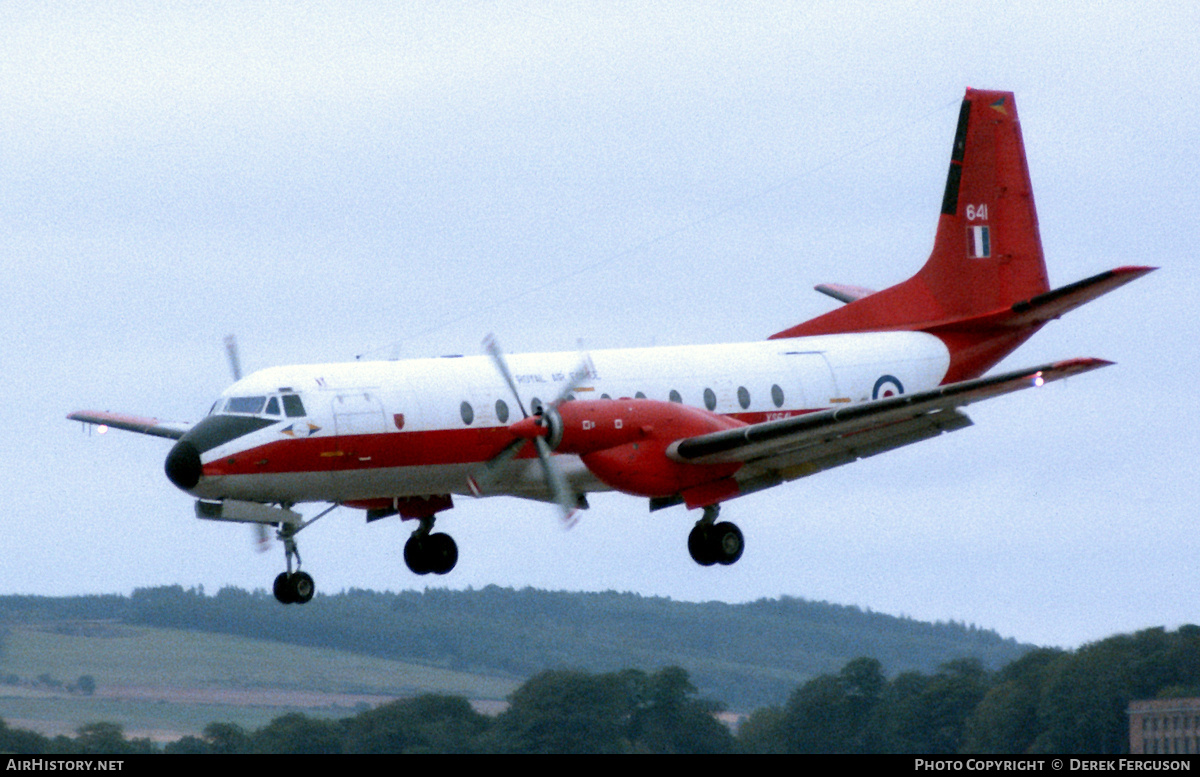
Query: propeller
x,y
231,350
547,418
262,536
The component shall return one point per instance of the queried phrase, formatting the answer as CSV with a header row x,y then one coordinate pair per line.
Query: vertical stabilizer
x,y
987,254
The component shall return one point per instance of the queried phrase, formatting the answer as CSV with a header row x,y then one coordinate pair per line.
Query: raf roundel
x,y
886,386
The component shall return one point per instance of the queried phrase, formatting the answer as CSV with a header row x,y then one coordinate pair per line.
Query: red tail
x,y
985,281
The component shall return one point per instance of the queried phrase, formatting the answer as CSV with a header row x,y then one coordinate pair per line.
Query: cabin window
x,y
273,406
292,406
743,397
675,397
710,399
467,412
245,404
605,396
777,395
639,395
501,411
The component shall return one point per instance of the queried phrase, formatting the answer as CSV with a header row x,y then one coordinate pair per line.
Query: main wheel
x,y
415,556
441,553
283,589
726,543
302,587
700,547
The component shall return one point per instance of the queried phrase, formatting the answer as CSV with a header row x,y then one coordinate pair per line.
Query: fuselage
x,y
367,432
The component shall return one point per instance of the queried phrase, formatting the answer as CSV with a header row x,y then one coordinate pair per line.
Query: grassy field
x,y
165,683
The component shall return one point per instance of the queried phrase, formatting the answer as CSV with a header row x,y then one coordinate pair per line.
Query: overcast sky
x,y
331,180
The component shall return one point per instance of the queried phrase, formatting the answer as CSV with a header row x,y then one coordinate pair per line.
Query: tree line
x,y
1047,701
557,711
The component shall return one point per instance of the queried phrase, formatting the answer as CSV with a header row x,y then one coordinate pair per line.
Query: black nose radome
x,y
183,465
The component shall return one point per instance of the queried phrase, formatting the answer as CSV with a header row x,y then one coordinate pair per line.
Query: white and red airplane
x,y
694,425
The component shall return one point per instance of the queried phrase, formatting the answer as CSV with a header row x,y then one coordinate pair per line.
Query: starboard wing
x,y
789,448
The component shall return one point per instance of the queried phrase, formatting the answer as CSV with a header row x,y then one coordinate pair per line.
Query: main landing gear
x,y
715,543
425,552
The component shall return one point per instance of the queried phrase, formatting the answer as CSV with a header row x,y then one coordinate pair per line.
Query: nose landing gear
x,y
296,588
292,587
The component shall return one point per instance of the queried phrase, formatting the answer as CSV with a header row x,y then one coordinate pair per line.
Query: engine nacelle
x,y
624,443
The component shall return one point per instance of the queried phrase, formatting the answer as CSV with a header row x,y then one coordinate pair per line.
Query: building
x,y
1164,726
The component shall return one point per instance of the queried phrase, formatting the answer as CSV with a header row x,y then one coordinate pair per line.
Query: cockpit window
x,y
293,406
245,405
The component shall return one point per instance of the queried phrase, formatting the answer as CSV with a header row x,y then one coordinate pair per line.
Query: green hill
x,y
162,682
746,655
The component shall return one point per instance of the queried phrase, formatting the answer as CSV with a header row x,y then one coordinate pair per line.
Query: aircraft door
x,y
358,422
815,376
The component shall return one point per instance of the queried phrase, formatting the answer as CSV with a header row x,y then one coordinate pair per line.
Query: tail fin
x,y
987,253
987,256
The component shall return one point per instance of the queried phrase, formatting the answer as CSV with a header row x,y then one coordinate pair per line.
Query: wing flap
x,y
766,472
837,436
813,455
131,423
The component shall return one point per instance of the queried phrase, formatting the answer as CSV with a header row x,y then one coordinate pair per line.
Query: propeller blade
x,y
547,416
563,495
481,481
493,348
262,539
231,350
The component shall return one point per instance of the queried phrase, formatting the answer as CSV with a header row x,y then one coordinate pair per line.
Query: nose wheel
x,y
294,588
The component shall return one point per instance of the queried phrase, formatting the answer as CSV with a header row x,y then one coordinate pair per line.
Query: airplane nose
x,y
183,465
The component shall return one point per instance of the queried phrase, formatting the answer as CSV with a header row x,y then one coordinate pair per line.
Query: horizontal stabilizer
x,y
131,423
1053,304
842,292
1030,314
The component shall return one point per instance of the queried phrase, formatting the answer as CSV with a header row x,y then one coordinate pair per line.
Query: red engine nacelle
x,y
624,442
